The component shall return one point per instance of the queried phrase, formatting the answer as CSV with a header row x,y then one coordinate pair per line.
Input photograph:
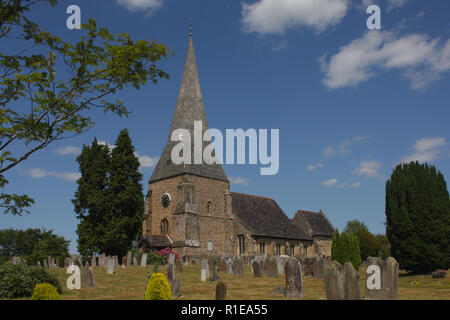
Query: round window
x,y
165,200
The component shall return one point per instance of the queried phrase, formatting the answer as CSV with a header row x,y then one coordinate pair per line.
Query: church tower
x,y
186,202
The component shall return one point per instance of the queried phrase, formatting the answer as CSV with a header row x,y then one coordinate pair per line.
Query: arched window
x,y
164,226
209,207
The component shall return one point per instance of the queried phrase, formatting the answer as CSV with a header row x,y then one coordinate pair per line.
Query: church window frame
x,y
164,226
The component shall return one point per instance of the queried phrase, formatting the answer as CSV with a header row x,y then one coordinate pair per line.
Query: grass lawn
x,y
130,283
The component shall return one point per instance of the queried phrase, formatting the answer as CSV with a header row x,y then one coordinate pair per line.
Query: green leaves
x,y
61,82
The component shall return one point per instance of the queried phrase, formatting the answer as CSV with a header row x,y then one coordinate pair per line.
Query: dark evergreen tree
x,y
418,217
92,201
126,197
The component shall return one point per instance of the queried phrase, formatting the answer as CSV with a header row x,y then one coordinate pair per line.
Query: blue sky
x,y
349,103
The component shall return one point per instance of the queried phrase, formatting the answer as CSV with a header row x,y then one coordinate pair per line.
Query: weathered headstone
x,y
175,287
144,260
341,282
388,279
171,259
135,259
116,261
294,282
213,268
270,268
205,266
91,277
178,266
229,262
222,266
129,257
124,262
110,266
221,291
45,263
84,276
93,261
256,269
170,273
238,267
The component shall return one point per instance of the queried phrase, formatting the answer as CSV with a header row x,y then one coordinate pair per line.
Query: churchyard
x,y
130,283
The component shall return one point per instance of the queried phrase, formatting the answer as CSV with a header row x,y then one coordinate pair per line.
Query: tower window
x,y
262,248
164,226
278,249
241,244
209,207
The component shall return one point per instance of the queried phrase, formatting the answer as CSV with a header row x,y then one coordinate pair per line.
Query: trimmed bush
x,y
345,247
45,291
19,280
158,288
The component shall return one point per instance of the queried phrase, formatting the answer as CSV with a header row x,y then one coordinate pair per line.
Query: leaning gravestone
x,y
110,266
221,291
294,281
341,282
175,287
144,260
383,286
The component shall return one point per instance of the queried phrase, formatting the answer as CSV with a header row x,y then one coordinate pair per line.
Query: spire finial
x,y
190,29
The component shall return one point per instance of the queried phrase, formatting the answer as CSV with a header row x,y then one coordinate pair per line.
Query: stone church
x,y
191,208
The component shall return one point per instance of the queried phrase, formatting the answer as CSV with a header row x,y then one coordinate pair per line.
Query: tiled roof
x,y
263,217
318,222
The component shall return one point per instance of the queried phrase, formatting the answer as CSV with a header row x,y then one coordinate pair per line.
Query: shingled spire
x,y
189,108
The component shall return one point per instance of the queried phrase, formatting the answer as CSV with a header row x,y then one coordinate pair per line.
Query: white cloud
x,y
313,167
276,16
239,180
147,6
105,143
344,147
38,173
426,149
330,183
421,59
355,185
68,150
369,169
393,4
148,162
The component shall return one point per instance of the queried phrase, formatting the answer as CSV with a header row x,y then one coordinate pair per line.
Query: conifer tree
x,y
345,247
418,217
126,196
91,201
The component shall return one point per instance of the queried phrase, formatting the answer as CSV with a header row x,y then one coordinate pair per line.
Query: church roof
x,y
318,222
189,108
263,217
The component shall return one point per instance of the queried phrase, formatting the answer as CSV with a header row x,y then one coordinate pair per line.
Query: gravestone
x,y
256,269
221,291
93,261
203,275
91,277
229,263
222,266
110,266
129,257
116,261
38,263
341,282
45,263
389,270
178,267
185,260
175,288
144,260
215,276
281,262
84,276
238,267
124,262
270,268
135,259
170,273
57,263
205,266
171,259
294,282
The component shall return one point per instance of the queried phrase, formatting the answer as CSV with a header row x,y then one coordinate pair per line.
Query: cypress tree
x,y
418,217
91,200
345,247
126,196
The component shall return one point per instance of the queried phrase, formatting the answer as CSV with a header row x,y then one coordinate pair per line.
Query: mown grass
x,y
130,283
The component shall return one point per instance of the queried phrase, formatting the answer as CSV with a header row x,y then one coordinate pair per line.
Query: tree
x,y
126,197
418,217
109,200
345,247
368,244
32,244
91,201
355,225
62,83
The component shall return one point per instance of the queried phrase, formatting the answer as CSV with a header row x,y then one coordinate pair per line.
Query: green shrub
x,y
345,247
45,291
20,280
155,259
158,288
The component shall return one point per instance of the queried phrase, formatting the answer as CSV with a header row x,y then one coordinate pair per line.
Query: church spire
x,y
189,108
